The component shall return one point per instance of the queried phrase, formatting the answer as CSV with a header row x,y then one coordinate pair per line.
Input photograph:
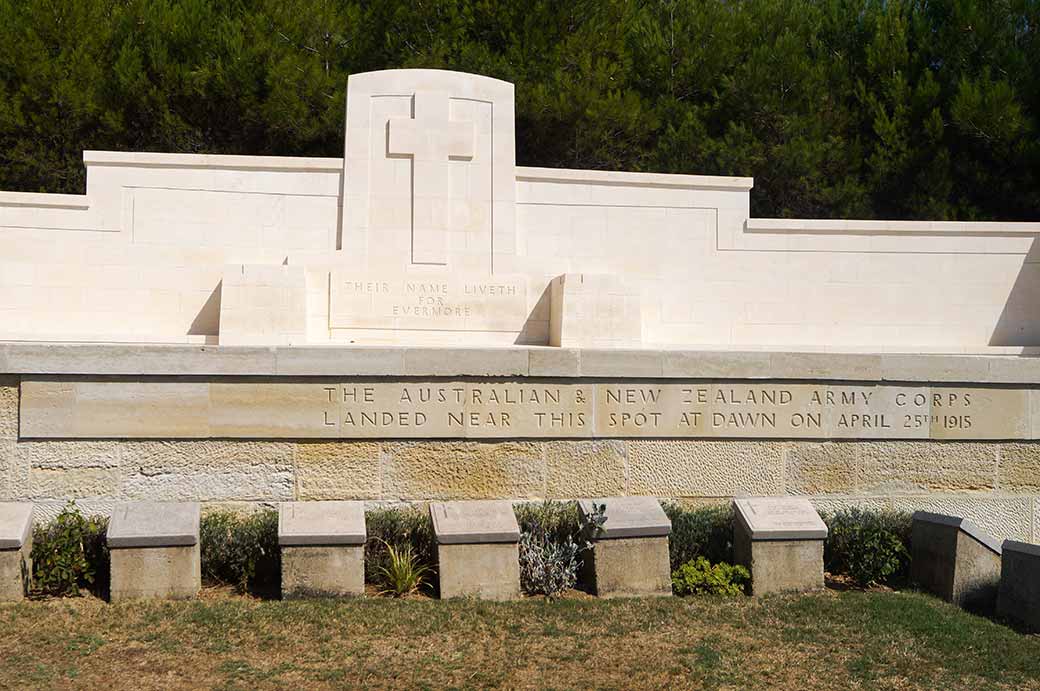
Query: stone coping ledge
x,y
969,528
15,524
139,159
39,200
519,361
1021,548
610,177
853,227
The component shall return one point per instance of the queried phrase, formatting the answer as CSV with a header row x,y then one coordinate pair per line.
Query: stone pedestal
x,y
478,549
780,541
954,559
155,551
1018,597
323,548
15,550
630,552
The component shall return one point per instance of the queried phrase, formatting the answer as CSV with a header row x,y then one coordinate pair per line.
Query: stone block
x,y
15,550
338,470
893,467
155,551
780,541
630,551
1005,518
698,468
826,468
263,305
954,559
477,549
594,310
1019,468
583,468
1018,597
323,548
8,407
463,470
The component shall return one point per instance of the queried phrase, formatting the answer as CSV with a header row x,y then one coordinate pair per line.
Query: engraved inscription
x,y
493,303
520,409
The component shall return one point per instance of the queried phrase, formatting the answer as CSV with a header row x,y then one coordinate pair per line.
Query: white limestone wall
x,y
139,258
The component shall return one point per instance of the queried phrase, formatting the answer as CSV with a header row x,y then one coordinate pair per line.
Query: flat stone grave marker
x,y
630,550
477,549
323,548
780,541
1018,597
155,550
955,559
15,549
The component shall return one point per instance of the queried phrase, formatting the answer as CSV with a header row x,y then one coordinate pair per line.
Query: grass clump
x,y
241,550
400,548
871,547
701,577
68,554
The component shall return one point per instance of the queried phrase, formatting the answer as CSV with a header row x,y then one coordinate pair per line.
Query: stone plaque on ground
x,y
15,549
956,560
477,549
155,550
630,550
323,548
780,541
1018,598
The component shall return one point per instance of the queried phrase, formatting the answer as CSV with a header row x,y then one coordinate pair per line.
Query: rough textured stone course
x,y
825,468
704,468
582,468
894,467
1019,468
60,483
463,470
8,407
338,470
1002,517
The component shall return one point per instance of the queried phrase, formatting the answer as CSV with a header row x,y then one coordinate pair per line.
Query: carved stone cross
x,y
432,140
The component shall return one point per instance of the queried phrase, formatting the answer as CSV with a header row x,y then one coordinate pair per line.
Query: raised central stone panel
x,y
74,407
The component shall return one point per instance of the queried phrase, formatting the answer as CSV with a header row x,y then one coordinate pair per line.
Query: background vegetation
x,y
861,108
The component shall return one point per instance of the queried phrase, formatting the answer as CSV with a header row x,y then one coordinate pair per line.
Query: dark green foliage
x,y
865,108
241,550
69,553
703,532
398,527
701,577
869,546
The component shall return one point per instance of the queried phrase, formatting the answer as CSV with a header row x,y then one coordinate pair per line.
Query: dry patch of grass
x,y
849,640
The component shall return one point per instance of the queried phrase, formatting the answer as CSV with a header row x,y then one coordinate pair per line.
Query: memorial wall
x,y
423,319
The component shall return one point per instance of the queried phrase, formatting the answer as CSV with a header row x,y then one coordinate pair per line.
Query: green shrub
x,y
868,546
551,542
241,549
69,553
701,577
399,527
702,532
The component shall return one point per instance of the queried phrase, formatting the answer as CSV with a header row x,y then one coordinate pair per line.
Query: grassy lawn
x,y
849,640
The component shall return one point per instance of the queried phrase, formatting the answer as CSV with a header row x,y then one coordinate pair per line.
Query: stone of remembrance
x,y
15,550
154,548
780,541
477,549
323,548
422,319
630,550
955,559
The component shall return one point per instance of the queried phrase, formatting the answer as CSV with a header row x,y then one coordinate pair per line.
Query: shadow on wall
x,y
207,321
536,332
1019,322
